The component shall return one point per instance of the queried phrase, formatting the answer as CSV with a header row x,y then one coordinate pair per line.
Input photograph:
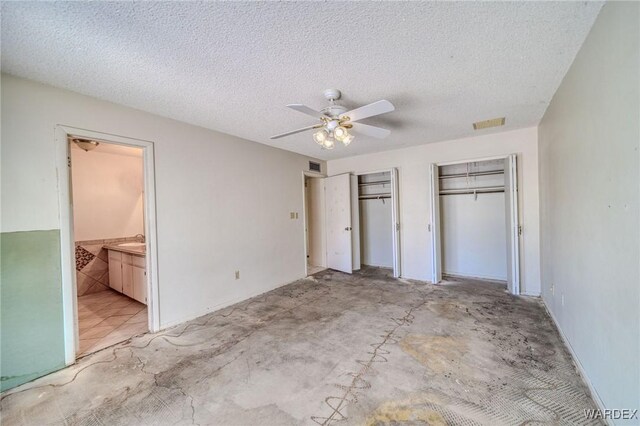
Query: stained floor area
x,y
329,349
108,317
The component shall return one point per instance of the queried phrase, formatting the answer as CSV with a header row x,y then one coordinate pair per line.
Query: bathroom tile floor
x,y
108,317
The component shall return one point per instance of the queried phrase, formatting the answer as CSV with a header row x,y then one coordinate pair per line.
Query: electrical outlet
x,y
237,275
296,215
293,215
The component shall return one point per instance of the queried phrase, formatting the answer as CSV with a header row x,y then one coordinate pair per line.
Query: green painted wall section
x,y
31,316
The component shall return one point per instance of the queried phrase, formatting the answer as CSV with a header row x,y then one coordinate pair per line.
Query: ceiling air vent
x,y
494,122
314,167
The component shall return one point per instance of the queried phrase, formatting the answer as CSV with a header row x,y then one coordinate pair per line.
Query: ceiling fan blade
x,y
293,132
376,108
306,110
373,131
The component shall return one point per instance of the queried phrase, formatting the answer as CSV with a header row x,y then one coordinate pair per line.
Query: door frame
x,y
305,174
396,241
67,241
435,220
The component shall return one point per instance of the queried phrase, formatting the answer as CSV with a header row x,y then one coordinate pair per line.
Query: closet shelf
x,y
478,190
380,182
461,175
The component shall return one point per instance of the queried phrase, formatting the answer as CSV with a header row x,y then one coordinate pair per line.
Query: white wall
x,y
223,203
376,233
413,169
474,240
473,229
589,179
108,191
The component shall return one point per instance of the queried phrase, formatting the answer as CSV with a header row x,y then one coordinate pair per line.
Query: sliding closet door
x,y
513,226
434,226
355,224
395,219
338,217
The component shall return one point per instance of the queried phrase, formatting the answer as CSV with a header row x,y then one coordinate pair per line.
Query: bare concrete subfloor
x,y
333,348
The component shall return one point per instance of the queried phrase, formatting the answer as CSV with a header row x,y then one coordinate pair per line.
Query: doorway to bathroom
x,y
109,284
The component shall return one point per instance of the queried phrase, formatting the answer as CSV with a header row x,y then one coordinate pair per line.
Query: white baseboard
x,y
576,362
222,305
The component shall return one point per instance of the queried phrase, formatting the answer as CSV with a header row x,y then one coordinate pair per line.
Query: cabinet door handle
x,y
348,228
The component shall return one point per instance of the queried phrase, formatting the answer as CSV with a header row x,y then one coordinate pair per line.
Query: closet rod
x,y
374,196
380,182
459,175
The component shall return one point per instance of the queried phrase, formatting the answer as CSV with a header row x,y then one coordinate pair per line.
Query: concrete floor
x,y
333,348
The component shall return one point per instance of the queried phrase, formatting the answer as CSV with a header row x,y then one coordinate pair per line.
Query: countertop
x,y
138,251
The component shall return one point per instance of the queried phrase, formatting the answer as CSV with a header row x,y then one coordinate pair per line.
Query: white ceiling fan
x,y
336,122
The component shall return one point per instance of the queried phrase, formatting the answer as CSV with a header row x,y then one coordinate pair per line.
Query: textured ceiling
x,y
233,66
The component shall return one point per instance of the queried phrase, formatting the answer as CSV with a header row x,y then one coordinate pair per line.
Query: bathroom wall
x,y
108,191
108,188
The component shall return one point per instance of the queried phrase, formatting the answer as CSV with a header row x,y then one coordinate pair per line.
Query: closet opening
x,y
378,220
351,220
314,224
475,221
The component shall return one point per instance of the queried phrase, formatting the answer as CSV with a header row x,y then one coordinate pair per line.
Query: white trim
x,y
373,172
67,248
62,132
473,160
434,224
576,361
395,222
514,220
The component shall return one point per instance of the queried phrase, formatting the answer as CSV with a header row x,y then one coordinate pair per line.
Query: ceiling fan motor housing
x,y
334,110
332,94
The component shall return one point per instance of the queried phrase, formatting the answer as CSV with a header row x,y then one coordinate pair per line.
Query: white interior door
x,y
355,224
338,220
434,226
395,218
512,223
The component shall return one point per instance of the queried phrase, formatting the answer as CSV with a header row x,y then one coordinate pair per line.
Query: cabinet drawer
x,y
138,261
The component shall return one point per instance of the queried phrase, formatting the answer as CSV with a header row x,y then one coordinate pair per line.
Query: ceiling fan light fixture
x,y
335,121
347,140
86,144
340,133
330,143
320,136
